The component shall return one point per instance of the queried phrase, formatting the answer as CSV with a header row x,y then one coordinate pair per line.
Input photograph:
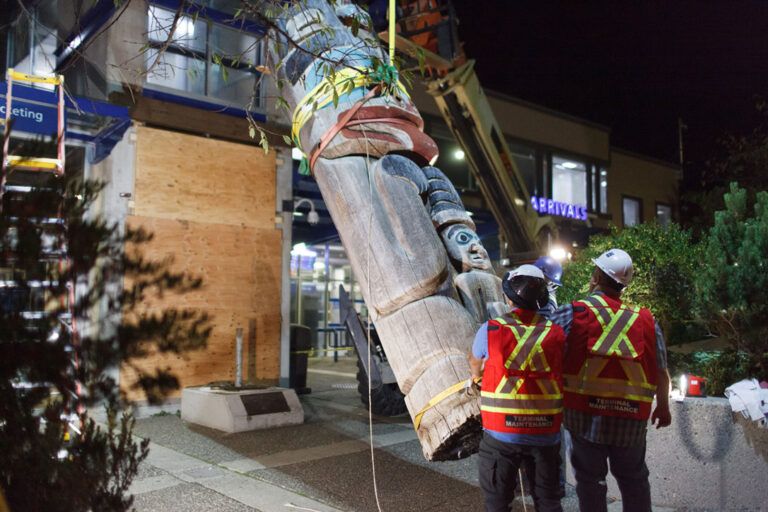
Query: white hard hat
x,y
617,264
526,270
525,287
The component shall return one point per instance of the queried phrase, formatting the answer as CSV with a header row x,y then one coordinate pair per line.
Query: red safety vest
x,y
610,366
522,379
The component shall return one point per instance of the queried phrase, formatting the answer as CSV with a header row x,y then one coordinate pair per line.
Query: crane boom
x,y
466,110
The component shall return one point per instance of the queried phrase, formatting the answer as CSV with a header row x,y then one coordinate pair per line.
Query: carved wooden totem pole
x,y
424,275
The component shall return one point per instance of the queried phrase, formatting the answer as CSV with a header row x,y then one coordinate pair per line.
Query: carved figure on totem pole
x,y
424,275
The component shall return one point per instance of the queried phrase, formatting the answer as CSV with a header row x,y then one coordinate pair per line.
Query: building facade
x,y
166,126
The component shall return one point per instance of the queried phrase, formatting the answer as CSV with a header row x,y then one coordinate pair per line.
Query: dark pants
x,y
627,463
499,463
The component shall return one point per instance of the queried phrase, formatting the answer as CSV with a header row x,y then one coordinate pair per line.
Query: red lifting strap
x,y
347,121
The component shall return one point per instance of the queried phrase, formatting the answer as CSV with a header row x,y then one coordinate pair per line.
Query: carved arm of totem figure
x,y
375,196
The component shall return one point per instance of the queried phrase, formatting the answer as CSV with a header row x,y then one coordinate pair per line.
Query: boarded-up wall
x,y
211,205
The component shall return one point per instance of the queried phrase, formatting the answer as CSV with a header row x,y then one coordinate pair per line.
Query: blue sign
x,y
32,110
551,207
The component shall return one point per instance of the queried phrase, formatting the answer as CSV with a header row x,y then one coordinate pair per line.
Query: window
x,y
569,181
601,181
32,41
204,58
525,161
452,161
631,210
663,214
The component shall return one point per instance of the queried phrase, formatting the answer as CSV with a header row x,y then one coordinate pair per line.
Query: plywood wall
x,y
211,205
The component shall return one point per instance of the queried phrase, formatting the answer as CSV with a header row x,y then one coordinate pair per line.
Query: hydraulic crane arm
x,y
466,110
427,34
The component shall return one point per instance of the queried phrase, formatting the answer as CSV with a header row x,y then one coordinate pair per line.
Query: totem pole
x,y
424,275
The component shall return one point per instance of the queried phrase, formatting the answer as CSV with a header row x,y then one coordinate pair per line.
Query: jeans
x,y
499,464
627,464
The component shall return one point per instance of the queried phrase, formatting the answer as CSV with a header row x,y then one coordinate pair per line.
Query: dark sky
x,y
633,66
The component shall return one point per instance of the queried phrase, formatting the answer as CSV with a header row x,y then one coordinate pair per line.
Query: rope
x,y
368,315
322,95
522,489
368,244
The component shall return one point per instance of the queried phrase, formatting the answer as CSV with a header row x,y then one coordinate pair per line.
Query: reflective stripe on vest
x,y
615,328
528,362
613,343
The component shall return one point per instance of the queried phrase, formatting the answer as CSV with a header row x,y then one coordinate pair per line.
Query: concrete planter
x,y
709,458
243,410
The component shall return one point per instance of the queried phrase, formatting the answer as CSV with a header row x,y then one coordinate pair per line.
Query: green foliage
x,y
719,368
51,375
665,261
732,298
743,158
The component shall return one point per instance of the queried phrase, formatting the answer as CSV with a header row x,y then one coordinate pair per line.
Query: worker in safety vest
x,y
519,357
614,364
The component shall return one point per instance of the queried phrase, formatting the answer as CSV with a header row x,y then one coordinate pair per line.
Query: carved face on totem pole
x,y
465,249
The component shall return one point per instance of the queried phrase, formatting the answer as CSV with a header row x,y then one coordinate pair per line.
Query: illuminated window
x,y
569,181
663,214
632,211
203,59
32,40
601,180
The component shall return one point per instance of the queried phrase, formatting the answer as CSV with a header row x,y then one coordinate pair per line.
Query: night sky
x,y
632,66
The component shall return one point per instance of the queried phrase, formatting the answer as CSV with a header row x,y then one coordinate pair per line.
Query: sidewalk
x,y
323,465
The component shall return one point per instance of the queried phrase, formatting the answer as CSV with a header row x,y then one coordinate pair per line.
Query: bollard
x,y
239,357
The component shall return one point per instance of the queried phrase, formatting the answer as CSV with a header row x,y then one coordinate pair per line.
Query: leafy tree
x,y
666,261
742,158
53,456
732,289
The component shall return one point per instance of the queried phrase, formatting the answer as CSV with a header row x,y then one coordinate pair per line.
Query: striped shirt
x,y
610,430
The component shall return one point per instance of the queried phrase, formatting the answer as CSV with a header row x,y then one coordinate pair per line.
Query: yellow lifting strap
x,y
328,91
325,93
439,398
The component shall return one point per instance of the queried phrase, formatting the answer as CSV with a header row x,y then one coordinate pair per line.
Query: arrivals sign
x,y
551,207
33,110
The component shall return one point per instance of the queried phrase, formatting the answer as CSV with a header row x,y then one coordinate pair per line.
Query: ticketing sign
x,y
33,110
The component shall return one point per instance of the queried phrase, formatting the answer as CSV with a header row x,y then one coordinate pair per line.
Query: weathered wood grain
x,y
211,206
394,248
180,176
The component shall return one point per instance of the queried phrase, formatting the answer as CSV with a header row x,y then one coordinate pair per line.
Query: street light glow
x,y
558,253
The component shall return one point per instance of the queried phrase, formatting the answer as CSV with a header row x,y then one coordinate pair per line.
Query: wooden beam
x,y
188,119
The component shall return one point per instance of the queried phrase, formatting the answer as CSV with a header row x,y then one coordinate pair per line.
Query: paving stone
x,y
188,498
347,480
